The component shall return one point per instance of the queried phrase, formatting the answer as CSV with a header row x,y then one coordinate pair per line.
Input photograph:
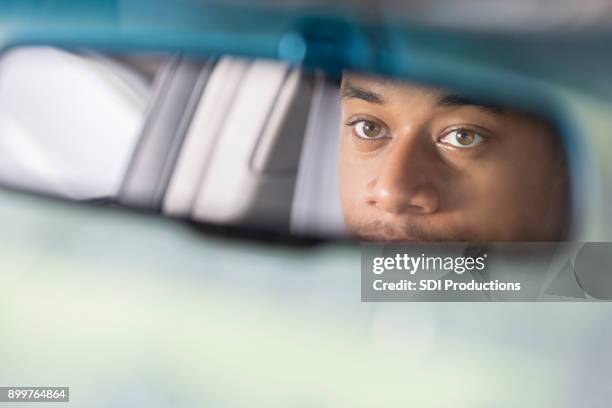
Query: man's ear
x,y
561,189
562,166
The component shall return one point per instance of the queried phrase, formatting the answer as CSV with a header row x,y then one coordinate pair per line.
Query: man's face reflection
x,y
419,164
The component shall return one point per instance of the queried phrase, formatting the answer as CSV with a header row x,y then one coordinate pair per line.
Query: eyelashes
x,y
464,137
369,130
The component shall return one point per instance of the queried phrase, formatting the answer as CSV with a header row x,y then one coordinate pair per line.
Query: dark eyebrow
x,y
351,91
458,100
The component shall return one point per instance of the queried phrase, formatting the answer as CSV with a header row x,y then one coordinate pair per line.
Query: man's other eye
x,y
366,129
462,138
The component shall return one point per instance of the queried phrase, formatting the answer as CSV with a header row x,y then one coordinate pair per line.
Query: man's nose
x,y
406,182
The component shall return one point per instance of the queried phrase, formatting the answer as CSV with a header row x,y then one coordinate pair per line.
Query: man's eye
x,y
366,129
462,138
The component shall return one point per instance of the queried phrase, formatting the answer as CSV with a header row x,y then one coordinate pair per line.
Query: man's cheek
x,y
357,210
354,217
492,208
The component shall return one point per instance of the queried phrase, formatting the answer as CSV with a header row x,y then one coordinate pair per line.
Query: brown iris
x,y
465,137
371,129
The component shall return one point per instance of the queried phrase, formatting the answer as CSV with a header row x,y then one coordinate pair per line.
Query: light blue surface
x,y
133,310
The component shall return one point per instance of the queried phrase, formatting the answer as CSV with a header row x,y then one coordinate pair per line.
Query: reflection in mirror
x,y
70,120
260,144
420,163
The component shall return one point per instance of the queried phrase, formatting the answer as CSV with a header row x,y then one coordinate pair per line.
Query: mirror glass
x,y
69,121
260,144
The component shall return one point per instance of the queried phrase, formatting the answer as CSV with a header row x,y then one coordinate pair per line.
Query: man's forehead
x,y
381,90
383,85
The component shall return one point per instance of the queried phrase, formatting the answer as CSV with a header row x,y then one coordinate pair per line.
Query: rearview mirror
x,y
273,147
